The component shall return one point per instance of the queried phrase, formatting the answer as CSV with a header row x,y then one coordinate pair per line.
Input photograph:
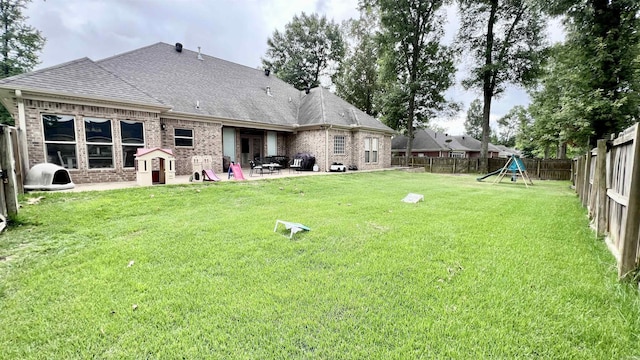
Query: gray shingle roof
x,y
195,84
423,140
336,111
82,78
321,106
221,88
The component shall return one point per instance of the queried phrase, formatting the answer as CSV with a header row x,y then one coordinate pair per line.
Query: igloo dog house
x,y
155,166
48,176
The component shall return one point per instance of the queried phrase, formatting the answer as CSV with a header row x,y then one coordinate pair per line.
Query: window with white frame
x,y
132,135
183,137
338,145
374,150
371,150
456,154
99,143
60,140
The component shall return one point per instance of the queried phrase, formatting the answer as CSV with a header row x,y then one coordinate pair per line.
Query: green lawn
x,y
475,271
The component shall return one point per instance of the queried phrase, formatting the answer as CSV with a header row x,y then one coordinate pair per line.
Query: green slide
x,y
489,174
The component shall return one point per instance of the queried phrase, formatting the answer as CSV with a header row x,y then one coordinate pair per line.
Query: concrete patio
x,y
184,179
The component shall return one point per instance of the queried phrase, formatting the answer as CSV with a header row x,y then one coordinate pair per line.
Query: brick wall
x,y
313,141
207,140
384,150
35,137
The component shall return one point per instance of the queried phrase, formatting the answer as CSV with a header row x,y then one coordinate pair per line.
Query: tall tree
x,y
19,44
506,37
416,69
556,113
603,37
473,123
309,48
357,81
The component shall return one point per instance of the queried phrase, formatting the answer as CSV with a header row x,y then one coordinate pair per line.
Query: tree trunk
x,y
487,88
410,128
5,44
562,151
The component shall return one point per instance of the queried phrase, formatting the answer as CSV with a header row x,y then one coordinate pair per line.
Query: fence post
x,y
600,188
629,250
7,164
578,176
587,174
455,161
17,162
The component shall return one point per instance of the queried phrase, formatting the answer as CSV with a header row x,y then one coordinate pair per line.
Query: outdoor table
x,y
272,167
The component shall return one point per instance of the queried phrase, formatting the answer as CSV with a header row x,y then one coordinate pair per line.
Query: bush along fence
x,y
10,174
607,181
548,169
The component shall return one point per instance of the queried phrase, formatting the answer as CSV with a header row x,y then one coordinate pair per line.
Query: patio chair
x,y
296,164
255,167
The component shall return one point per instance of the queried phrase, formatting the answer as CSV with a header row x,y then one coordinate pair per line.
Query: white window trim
x,y
371,147
47,142
192,138
339,148
374,150
113,160
123,144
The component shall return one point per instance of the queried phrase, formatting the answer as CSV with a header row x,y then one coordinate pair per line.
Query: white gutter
x,y
57,96
22,134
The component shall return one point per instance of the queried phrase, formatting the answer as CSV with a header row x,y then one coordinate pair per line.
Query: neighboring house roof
x,y
507,151
198,85
79,78
423,140
426,140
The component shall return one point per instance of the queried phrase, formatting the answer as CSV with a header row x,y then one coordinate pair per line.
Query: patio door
x,y
251,148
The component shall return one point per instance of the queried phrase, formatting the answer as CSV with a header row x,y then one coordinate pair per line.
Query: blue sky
x,y
232,30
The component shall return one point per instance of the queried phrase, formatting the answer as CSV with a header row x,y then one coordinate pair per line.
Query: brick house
x,y
92,116
429,143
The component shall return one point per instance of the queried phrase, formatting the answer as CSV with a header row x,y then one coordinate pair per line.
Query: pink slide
x,y
209,175
237,171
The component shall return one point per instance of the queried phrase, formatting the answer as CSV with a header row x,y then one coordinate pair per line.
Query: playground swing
x,y
516,167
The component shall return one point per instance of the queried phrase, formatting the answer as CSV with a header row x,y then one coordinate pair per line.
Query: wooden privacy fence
x,y
607,180
10,173
549,169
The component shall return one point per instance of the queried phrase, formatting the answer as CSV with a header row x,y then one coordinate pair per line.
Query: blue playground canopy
x,y
517,164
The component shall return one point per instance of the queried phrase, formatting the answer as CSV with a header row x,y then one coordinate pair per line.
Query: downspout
x,y
326,147
22,133
326,132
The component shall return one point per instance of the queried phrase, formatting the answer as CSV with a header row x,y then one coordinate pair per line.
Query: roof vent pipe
x,y
178,47
199,54
307,90
267,72
269,91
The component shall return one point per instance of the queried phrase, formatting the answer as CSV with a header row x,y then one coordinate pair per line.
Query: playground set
x,y
515,167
